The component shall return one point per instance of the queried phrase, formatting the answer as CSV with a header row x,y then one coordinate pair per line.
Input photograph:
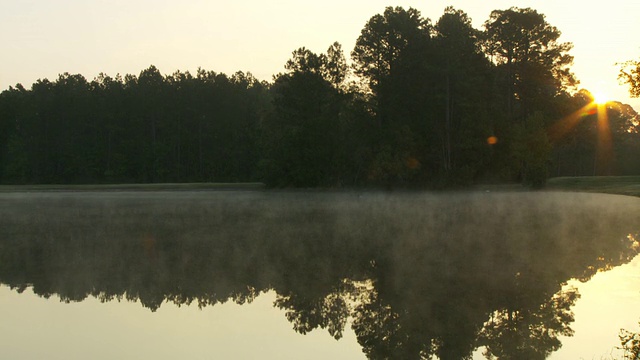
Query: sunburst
x,y
600,97
604,147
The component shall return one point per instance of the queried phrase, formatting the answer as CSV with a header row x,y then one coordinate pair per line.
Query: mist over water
x,y
413,274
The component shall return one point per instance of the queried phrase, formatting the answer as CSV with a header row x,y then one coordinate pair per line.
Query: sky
x,y
44,38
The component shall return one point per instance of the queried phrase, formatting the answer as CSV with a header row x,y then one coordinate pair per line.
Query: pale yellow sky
x,y
43,38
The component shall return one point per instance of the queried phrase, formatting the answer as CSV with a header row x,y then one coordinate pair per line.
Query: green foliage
x,y
146,128
531,65
332,66
306,61
531,151
630,342
335,68
630,74
301,146
462,119
421,105
597,140
385,41
391,56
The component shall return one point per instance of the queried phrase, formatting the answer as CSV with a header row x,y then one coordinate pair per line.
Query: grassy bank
x,y
135,187
623,185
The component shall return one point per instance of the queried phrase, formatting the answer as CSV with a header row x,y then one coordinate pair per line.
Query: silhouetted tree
x,y
533,65
427,105
133,128
630,342
392,55
630,74
301,135
532,75
14,135
463,120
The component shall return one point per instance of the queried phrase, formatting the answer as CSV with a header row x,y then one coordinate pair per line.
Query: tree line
x,y
418,104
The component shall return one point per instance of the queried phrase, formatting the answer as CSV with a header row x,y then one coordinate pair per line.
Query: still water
x,y
282,275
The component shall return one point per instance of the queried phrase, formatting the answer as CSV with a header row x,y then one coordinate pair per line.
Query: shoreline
x,y
132,187
616,185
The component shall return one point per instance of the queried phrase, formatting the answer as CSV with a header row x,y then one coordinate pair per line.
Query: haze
x,y
42,39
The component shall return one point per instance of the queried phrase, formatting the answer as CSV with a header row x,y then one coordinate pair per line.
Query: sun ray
x,y
604,149
562,127
603,157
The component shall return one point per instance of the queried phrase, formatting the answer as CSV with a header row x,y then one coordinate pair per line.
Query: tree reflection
x,y
329,312
417,276
529,333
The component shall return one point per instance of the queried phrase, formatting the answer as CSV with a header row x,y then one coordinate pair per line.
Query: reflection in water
x,y
608,303
416,275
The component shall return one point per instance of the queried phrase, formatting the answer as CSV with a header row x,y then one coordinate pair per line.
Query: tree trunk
x,y
447,128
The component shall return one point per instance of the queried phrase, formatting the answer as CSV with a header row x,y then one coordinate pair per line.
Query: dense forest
x,y
418,104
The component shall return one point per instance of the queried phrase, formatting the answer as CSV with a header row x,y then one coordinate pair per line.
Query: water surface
x,y
391,275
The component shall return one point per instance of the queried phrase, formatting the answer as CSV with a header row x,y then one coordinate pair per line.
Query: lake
x,y
316,274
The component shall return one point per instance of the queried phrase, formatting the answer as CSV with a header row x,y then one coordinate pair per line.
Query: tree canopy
x,y
417,104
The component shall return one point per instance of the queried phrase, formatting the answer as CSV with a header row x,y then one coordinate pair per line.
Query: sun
x,y
599,97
